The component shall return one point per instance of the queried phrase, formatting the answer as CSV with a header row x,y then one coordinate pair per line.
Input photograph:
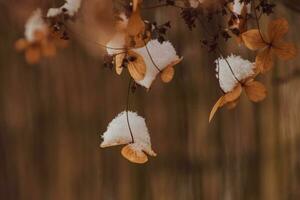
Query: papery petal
x,y
32,55
284,51
215,108
134,154
136,68
255,91
119,62
233,95
264,60
277,29
253,40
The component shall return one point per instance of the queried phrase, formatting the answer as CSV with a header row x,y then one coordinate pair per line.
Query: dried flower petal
x,y
118,133
285,51
277,29
217,105
137,67
264,61
119,62
255,91
134,154
253,40
32,55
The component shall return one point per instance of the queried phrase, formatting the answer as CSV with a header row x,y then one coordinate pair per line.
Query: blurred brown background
x,y
51,116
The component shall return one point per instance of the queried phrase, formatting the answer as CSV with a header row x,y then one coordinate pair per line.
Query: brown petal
x,y
285,51
135,4
49,49
232,105
167,74
234,94
264,61
119,62
217,105
253,40
255,91
134,155
277,29
32,55
135,24
136,68
21,44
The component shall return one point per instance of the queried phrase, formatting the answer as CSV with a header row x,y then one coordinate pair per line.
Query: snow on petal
x,y
238,68
156,55
118,132
70,7
35,23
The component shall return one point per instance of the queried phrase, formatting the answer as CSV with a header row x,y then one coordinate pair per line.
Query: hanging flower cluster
x,y
140,47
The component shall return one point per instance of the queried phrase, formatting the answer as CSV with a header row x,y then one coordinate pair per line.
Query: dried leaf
x,y
134,155
253,40
277,29
264,61
255,91
167,74
217,105
284,51
234,94
119,62
137,67
32,55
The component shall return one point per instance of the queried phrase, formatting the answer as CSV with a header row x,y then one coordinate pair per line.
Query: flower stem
x,y
127,108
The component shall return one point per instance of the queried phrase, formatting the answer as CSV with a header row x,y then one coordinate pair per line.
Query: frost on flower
x,y
70,8
160,56
35,24
118,133
238,68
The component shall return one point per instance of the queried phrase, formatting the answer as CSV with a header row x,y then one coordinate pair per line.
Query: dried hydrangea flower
x,y
38,41
272,43
236,74
119,133
239,69
158,57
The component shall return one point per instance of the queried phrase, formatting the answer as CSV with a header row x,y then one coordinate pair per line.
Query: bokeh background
x,y
52,115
